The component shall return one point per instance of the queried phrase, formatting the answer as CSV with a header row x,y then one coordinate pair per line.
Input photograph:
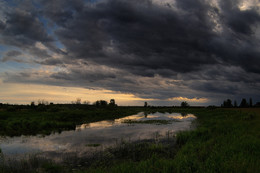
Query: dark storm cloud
x,y
140,37
11,55
145,38
243,22
61,11
22,28
79,74
239,21
190,48
2,26
217,87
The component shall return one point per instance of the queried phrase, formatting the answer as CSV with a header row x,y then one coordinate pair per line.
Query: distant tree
x,y
250,102
235,104
112,102
227,104
100,103
243,103
224,103
86,102
78,101
42,102
97,103
257,104
145,104
184,104
103,103
32,103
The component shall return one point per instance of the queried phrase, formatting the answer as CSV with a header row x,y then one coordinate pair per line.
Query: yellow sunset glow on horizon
x,y
200,100
26,93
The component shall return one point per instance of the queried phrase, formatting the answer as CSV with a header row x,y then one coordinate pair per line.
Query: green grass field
x,y
224,140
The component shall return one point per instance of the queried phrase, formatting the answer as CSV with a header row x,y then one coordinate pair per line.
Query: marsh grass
x,y
30,164
122,152
93,145
224,140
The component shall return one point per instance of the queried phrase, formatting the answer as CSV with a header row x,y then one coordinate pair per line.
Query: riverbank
x,y
225,140
17,120
45,119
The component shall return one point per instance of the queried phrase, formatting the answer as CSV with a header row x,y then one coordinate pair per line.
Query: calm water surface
x,y
105,133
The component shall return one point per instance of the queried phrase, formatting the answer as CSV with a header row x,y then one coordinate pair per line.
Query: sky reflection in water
x,y
106,133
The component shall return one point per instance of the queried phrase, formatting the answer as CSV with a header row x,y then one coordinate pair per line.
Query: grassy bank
x,y
225,140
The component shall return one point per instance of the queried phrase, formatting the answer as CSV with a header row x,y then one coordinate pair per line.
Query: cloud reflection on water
x,y
107,133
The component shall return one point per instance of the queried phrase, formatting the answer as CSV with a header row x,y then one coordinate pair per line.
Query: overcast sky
x,y
160,51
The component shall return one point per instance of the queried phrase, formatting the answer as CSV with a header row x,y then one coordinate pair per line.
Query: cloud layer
x,y
182,48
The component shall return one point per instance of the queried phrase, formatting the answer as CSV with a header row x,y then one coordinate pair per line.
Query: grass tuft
x,y
93,145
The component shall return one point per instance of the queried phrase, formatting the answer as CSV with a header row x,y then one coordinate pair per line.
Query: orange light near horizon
x,y
200,100
26,93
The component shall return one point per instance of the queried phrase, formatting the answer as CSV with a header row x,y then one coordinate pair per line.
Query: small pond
x,y
96,136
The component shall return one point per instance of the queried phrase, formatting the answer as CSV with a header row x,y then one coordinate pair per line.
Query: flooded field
x,y
91,137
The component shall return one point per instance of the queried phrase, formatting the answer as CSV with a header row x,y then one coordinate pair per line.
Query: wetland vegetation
x,y
44,119
224,140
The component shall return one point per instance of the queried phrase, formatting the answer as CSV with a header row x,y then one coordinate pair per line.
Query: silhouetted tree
x,y
145,104
78,101
184,104
101,103
42,102
243,103
250,102
112,102
86,102
32,103
227,104
97,103
235,103
257,104
224,103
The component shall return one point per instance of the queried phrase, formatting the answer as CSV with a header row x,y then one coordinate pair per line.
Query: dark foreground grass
x,y
124,151
93,145
225,140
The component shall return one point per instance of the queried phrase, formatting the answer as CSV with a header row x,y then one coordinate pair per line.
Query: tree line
x,y
243,104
